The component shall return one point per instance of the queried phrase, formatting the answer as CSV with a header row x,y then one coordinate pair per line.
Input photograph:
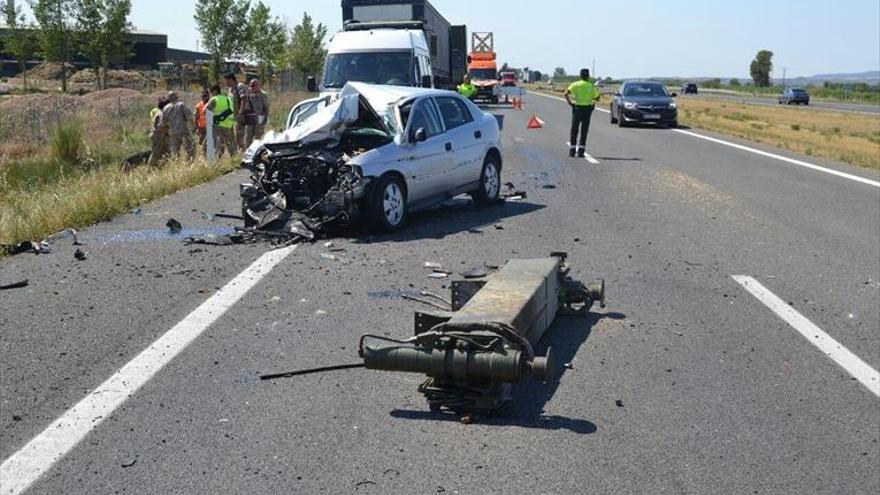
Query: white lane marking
x,y
33,460
861,371
587,156
801,163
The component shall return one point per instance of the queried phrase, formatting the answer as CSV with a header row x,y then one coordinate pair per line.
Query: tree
x,y
101,26
55,34
268,37
761,68
20,41
536,76
734,83
306,53
224,29
559,72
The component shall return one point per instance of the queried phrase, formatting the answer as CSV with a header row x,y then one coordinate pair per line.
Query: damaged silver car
x,y
377,153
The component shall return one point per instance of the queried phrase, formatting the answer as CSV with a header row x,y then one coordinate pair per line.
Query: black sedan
x,y
794,96
641,101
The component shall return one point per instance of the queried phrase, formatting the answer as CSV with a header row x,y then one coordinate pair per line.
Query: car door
x,y
468,143
427,163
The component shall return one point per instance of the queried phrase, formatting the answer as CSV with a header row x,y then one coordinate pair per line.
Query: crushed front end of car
x,y
305,180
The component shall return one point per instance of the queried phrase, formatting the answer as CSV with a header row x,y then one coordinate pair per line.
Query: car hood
x,y
649,100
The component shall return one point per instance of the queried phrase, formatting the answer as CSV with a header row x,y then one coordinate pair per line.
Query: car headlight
x,y
673,105
629,105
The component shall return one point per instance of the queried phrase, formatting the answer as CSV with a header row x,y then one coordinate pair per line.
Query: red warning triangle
x,y
535,122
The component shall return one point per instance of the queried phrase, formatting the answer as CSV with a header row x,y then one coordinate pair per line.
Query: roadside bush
x,y
66,144
795,127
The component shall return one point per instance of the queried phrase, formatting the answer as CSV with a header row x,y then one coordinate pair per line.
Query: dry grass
x,y
839,136
41,194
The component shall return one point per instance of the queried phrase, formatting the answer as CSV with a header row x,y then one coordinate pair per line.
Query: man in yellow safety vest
x,y
466,88
224,121
585,95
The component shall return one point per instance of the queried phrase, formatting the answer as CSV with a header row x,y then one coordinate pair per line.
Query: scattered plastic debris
x,y
173,225
80,255
478,272
16,285
618,403
438,275
433,264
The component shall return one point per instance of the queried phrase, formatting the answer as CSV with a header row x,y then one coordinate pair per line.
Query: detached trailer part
x,y
473,354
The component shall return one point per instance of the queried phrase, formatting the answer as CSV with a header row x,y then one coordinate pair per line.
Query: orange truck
x,y
482,68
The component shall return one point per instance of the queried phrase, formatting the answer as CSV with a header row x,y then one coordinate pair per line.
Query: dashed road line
x,y
33,460
858,369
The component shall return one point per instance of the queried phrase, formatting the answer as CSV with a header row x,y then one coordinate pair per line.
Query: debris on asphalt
x,y
214,240
64,234
128,461
433,264
207,216
16,285
16,417
321,312
568,366
424,301
173,225
548,186
328,256
79,255
135,211
498,226
437,297
228,216
365,482
478,272
618,403
438,275
22,247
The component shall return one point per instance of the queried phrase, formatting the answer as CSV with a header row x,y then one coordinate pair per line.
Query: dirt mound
x,y
24,104
50,71
127,95
127,78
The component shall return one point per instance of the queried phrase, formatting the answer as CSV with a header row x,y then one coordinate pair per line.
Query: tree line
x,y
239,29
97,31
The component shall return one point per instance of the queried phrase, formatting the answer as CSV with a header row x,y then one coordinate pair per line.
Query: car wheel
x,y
388,207
621,122
673,124
490,182
613,120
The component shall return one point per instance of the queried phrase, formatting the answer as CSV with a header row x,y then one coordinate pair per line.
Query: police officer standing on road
x,y
585,94
466,88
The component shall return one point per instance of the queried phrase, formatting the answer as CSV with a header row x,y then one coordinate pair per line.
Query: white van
x,y
396,57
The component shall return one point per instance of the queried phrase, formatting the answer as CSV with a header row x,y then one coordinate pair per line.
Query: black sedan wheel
x,y
613,120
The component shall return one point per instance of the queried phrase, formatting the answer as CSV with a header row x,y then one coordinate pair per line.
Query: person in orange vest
x,y
201,121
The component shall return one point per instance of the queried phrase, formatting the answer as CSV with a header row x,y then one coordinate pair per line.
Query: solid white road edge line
x,y
800,163
861,371
33,460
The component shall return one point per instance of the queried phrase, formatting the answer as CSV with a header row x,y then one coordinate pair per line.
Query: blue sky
x,y
627,38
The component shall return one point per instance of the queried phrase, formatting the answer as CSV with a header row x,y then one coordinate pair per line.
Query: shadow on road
x,y
451,217
526,408
617,159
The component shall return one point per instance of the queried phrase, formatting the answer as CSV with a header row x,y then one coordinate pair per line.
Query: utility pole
x,y
594,68
784,69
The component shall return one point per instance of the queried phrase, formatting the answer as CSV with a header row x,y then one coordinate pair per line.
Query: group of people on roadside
x,y
238,117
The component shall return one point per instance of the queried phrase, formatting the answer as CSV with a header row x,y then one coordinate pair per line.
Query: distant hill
x,y
870,77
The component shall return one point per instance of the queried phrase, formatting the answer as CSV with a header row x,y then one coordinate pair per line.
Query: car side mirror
x,y
426,81
419,135
675,95
311,85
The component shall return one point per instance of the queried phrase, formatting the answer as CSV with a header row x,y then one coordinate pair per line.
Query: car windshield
x,y
798,91
644,90
483,73
394,68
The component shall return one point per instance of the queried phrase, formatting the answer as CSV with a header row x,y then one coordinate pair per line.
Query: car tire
x,y
388,208
673,124
490,182
613,120
621,122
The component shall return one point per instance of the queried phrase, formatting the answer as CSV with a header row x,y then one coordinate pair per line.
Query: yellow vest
x,y
221,104
585,93
467,90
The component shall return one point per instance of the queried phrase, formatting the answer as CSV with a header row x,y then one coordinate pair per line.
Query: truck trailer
x,y
447,44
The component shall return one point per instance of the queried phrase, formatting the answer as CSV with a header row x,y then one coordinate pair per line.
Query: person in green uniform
x,y
466,88
581,96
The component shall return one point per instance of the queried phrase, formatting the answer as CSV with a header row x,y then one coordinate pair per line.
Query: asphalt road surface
x,y
685,383
864,108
